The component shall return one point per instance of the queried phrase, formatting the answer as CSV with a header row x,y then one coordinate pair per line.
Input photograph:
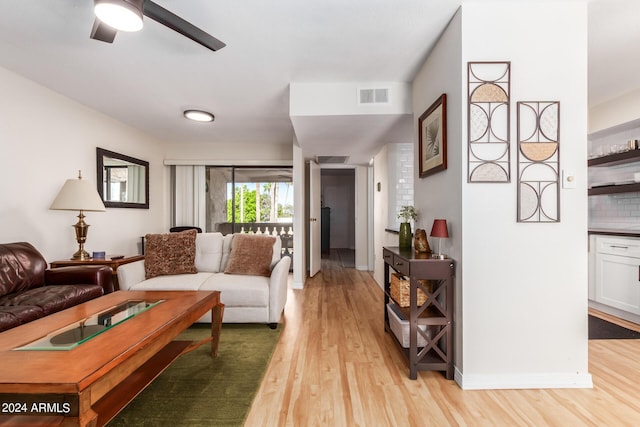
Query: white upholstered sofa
x,y
247,298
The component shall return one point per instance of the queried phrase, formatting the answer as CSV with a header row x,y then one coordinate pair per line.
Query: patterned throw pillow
x,y
170,253
250,254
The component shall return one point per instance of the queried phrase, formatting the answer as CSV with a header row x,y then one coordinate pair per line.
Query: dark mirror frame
x,y
101,153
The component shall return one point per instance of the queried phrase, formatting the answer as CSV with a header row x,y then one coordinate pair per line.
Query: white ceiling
x,y
147,79
614,41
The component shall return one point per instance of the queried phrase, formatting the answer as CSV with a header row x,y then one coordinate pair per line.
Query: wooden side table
x,y
113,263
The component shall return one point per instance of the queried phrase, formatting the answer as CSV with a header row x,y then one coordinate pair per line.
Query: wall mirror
x,y
123,182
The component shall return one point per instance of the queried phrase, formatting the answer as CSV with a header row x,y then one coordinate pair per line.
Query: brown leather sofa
x,y
29,291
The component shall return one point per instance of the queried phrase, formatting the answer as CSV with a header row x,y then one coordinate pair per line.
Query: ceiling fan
x,y
126,15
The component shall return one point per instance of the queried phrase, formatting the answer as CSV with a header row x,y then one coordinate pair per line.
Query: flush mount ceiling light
x,y
198,115
123,15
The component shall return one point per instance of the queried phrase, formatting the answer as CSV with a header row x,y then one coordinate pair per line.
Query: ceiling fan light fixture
x,y
198,115
123,15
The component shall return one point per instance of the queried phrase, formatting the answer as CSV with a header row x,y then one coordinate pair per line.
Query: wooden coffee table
x,y
90,383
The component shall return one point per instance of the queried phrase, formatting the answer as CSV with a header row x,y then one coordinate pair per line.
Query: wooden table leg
x,y
216,326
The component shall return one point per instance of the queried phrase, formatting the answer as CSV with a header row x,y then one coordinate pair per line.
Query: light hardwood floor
x,y
335,366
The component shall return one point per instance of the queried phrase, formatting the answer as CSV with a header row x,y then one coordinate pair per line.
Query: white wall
x,y
45,139
616,112
362,218
321,99
299,218
381,237
440,195
524,286
220,154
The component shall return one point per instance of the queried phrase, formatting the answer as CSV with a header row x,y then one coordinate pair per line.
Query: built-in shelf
x,y
616,232
614,189
616,159
613,160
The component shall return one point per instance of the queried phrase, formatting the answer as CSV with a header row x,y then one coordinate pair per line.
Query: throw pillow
x,y
250,254
170,253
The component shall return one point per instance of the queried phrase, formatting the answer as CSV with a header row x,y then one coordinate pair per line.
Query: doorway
x,y
337,201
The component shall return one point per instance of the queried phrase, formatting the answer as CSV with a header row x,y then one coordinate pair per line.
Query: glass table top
x,y
82,331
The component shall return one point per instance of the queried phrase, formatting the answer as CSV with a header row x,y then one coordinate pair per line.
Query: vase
x,y
404,238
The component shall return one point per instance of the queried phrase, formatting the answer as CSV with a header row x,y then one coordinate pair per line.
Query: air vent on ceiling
x,y
331,159
371,96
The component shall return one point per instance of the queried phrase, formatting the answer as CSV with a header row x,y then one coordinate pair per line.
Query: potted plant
x,y
407,213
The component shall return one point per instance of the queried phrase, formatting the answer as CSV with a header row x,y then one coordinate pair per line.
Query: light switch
x,y
568,178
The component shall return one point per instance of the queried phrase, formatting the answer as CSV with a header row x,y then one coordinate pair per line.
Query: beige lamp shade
x,y
78,195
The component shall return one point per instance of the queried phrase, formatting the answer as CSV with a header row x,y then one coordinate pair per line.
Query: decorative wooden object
x,y
420,242
488,117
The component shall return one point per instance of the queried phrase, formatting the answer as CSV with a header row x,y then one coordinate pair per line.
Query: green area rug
x,y
197,390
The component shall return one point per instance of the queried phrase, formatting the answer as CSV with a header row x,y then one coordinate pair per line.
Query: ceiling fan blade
x,y
103,32
168,19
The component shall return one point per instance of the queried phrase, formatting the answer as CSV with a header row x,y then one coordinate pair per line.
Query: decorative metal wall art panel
x,y
538,161
488,122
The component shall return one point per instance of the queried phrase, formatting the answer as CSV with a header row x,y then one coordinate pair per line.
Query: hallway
x,y
345,257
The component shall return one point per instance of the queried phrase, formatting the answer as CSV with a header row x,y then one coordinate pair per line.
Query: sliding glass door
x,y
251,200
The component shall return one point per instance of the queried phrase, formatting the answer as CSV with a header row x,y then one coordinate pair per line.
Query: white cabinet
x,y
592,267
617,272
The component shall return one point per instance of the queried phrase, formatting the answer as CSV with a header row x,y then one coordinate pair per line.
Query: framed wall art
x,y
432,138
488,122
538,161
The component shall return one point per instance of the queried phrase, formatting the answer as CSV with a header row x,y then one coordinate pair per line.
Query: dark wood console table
x,y
433,320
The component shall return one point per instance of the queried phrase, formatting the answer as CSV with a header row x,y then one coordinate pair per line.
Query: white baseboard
x,y
297,285
522,381
631,317
362,268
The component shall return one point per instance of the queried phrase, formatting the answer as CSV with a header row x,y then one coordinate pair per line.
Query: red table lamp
x,y
439,230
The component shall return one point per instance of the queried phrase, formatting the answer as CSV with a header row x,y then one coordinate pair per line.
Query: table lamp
x,y
439,230
79,195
